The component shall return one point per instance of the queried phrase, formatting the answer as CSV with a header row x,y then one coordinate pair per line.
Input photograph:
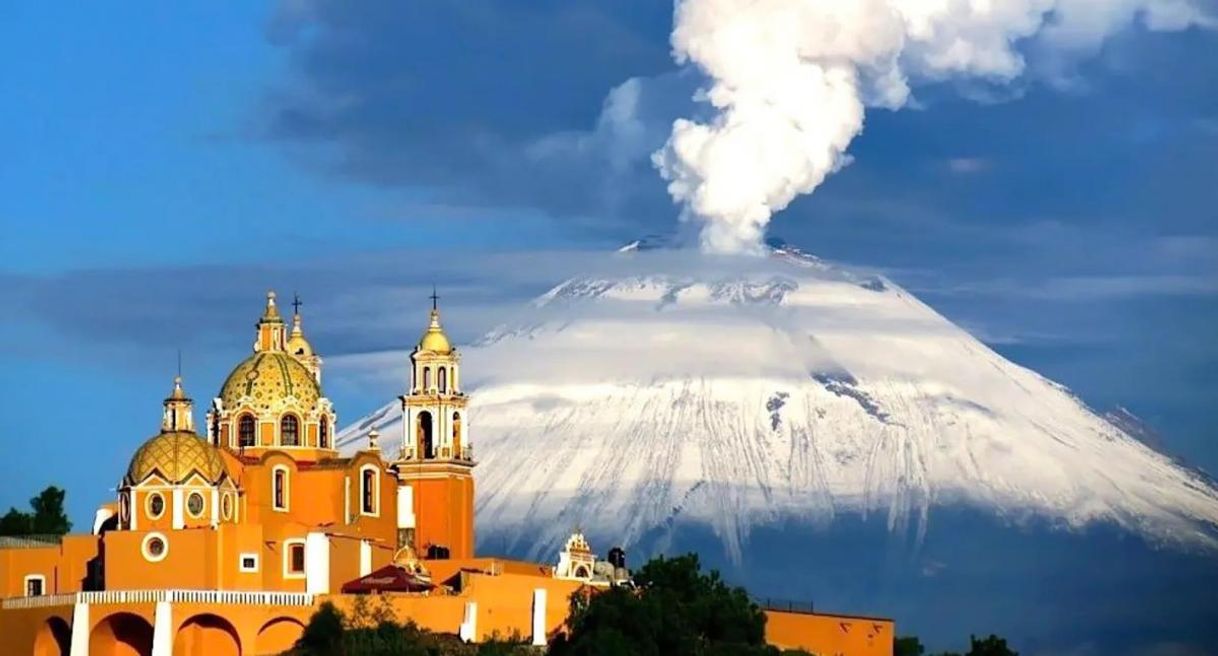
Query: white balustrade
x,y
227,597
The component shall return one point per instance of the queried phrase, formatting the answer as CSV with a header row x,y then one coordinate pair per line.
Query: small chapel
x,y
225,541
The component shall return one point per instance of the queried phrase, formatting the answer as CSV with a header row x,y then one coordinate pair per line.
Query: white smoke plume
x,y
790,81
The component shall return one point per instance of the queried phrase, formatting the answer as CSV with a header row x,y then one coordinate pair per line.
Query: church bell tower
x,y
435,470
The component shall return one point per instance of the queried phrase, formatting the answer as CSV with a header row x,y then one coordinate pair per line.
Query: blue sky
x,y
164,166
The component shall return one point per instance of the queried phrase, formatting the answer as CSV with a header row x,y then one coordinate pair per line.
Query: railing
x,y
785,605
17,603
30,541
466,454
254,598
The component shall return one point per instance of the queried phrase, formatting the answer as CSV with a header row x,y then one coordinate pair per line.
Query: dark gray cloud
x,y
491,104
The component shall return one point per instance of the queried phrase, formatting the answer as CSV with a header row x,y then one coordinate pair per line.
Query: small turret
x,y
179,410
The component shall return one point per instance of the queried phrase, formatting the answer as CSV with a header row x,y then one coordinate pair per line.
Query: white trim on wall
x,y
376,490
148,504
242,557
202,508
25,585
287,488
144,547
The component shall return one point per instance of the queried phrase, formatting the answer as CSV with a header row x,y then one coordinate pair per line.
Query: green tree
x,y
907,646
323,635
674,609
369,630
48,516
15,522
989,646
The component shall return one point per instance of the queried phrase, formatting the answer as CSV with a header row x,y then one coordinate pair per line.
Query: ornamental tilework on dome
x,y
271,381
175,457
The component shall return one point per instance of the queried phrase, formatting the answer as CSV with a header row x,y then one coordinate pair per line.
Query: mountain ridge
x,y
736,393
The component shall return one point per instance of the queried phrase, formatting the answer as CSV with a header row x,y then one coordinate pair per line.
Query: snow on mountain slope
x,y
734,393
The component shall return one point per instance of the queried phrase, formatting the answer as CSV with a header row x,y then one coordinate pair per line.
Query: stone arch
x,y
426,437
278,635
121,634
206,635
54,638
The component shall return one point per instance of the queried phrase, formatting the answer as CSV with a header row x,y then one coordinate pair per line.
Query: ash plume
x,y
790,82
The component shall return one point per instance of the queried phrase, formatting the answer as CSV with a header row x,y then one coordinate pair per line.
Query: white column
x,y
407,422
215,507
80,630
405,506
469,625
539,617
365,558
179,520
162,630
317,563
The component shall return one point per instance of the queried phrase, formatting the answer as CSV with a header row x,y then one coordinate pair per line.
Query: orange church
x,y
224,543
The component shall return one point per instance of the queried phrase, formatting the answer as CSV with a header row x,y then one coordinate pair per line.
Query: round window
x,y
156,505
155,547
226,507
194,504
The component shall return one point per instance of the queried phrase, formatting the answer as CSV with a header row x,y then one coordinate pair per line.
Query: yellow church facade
x,y
224,542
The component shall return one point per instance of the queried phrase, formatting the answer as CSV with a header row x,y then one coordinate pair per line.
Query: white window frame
x,y
287,559
144,547
241,562
25,585
202,510
148,504
124,509
376,491
287,488
226,500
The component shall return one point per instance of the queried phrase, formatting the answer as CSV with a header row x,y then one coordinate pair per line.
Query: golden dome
x,y
434,340
176,456
266,380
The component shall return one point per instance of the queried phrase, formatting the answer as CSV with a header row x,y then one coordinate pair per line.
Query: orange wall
x,y
64,565
829,635
444,513
504,608
190,561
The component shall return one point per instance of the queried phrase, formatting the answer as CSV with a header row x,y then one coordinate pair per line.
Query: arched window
x,y
279,488
289,431
423,434
443,380
368,490
246,429
323,433
426,378
457,433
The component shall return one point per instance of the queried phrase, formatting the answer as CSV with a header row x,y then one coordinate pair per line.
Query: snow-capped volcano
x,y
736,393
